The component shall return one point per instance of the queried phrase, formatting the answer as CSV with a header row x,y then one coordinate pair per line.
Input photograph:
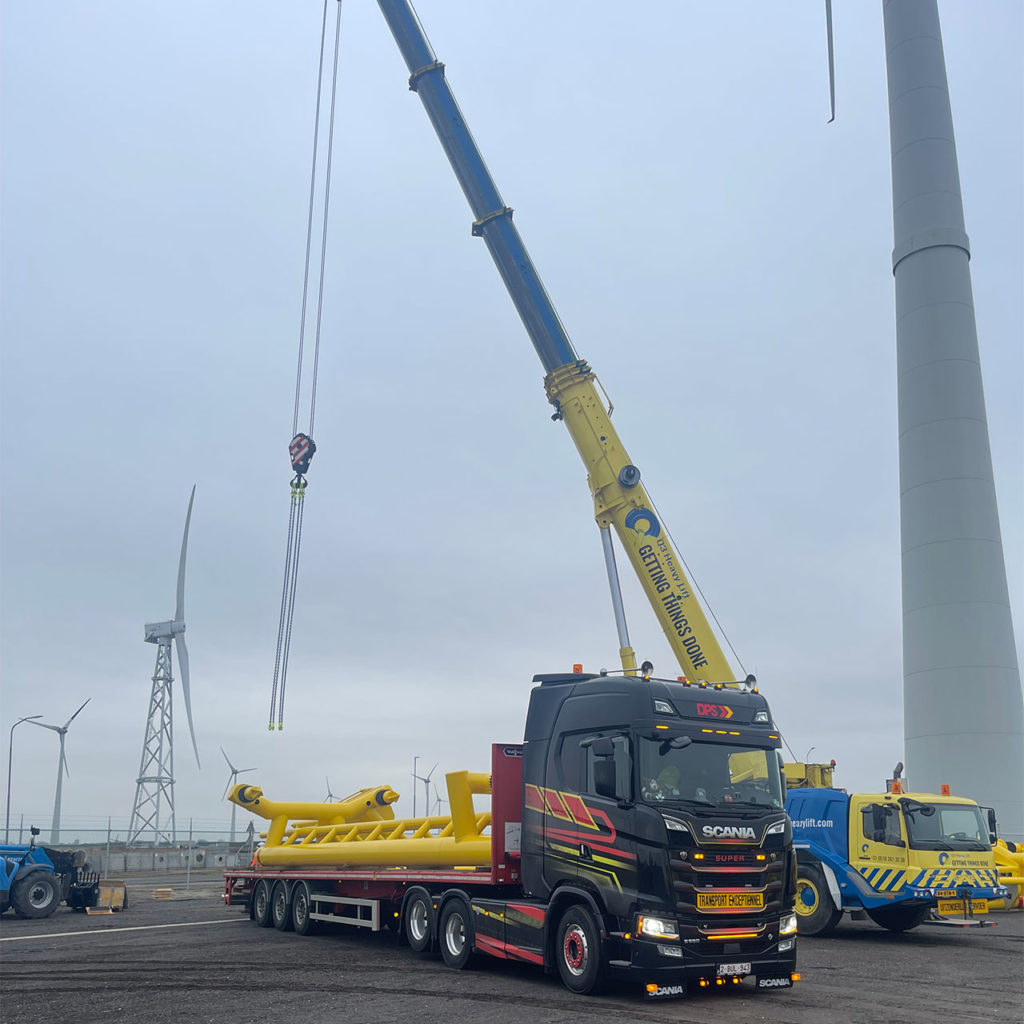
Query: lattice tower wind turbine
x,y
153,811
232,779
62,768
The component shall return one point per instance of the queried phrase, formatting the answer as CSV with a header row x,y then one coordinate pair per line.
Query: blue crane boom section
x,y
493,218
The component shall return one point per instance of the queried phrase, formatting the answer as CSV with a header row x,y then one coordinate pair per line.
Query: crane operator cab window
x,y
676,769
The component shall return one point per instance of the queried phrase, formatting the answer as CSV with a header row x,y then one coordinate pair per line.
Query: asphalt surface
x,y
193,959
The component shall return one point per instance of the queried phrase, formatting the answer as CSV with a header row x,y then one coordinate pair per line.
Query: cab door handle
x,y
585,852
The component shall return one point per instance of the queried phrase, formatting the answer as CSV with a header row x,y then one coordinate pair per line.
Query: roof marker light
x,y
577,669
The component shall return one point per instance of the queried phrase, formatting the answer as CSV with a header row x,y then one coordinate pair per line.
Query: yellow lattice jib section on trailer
x,y
363,831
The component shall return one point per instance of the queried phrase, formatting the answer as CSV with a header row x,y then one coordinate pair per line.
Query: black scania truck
x,y
638,832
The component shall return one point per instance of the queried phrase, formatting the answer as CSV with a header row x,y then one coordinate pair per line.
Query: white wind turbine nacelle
x,y
174,629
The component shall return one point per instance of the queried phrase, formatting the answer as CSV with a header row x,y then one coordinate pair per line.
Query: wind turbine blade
x,y
241,770
431,772
179,643
43,725
64,761
831,62
226,758
231,778
77,713
179,607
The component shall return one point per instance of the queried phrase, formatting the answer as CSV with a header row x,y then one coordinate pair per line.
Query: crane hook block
x,y
301,451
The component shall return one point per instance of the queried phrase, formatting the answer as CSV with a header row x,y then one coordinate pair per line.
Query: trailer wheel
x,y
898,919
579,953
261,904
816,914
302,922
419,920
38,895
280,911
455,931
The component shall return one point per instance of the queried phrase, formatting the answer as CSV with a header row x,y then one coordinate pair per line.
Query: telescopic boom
x,y
620,500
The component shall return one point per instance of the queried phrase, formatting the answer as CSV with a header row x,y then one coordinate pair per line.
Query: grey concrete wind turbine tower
x,y
62,767
152,818
232,779
963,707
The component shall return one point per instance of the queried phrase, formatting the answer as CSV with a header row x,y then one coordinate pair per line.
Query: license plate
x,y
725,970
950,908
730,900
946,894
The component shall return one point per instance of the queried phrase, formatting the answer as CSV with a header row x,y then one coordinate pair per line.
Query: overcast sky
x,y
717,252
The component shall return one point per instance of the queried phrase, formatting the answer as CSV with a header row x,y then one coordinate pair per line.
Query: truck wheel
x,y
419,920
302,901
898,918
816,914
456,935
261,904
38,895
280,911
580,955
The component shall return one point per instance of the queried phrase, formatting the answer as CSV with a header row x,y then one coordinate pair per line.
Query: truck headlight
x,y
787,926
777,829
660,928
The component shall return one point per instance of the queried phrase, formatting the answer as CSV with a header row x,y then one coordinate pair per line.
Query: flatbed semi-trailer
x,y
638,832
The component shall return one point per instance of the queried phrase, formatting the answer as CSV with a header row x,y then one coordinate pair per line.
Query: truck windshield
x,y
945,826
711,774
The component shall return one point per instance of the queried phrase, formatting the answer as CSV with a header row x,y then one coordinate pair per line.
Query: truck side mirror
x,y
993,829
604,778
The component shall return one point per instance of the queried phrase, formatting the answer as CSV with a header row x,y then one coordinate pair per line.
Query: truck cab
x,y
662,802
904,858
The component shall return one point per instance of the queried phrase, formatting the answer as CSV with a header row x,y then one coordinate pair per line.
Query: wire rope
x,y
302,447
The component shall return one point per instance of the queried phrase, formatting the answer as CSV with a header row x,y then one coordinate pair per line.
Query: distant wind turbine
x,y
330,798
425,779
232,779
153,809
62,768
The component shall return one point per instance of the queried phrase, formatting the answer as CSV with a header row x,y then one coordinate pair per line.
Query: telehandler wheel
x,y
418,920
280,910
302,902
261,904
578,951
898,919
38,895
455,933
816,914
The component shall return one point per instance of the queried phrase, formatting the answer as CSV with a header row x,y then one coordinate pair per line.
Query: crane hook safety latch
x,y
301,450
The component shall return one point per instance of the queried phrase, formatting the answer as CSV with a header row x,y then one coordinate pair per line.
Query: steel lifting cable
x,y
302,447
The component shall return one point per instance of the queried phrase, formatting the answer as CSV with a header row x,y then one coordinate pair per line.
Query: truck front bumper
x,y
674,967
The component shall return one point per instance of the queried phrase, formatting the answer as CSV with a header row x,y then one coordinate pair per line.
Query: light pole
x,y
10,757
807,756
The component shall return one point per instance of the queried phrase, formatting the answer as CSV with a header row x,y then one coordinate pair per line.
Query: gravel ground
x,y
193,959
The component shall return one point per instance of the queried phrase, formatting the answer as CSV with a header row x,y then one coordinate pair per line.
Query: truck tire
x,y
579,953
816,914
261,904
898,918
418,920
37,895
280,908
455,934
302,906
